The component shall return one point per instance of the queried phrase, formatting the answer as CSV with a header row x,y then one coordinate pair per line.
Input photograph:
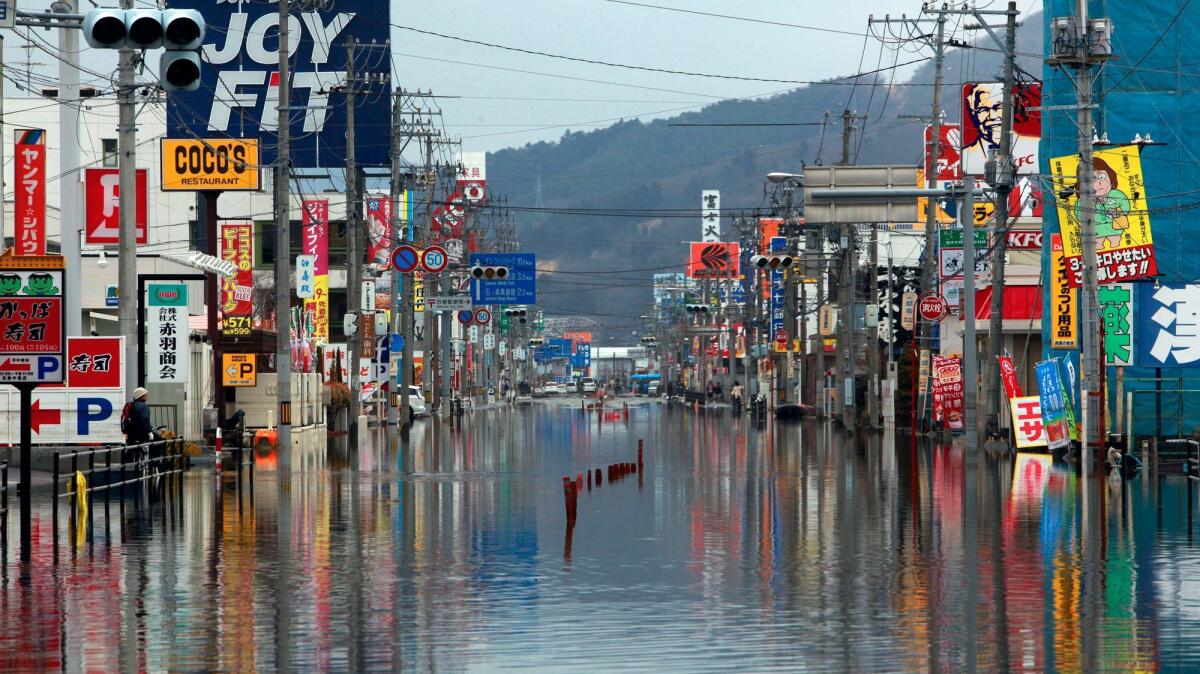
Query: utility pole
x,y
1089,389
873,369
70,190
353,251
924,336
847,284
970,363
1002,181
432,319
401,287
283,263
126,201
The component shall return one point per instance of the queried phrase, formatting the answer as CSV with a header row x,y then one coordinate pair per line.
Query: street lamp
x,y
778,177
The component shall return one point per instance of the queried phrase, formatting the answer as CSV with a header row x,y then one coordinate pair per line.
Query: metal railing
x,y
133,464
4,505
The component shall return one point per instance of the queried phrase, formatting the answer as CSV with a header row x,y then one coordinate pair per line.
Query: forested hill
x,y
657,167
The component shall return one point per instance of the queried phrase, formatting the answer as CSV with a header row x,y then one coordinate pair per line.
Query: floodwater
x,y
789,548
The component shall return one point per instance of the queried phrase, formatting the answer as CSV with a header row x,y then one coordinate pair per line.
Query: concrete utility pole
x,y
401,288
1002,182
69,185
846,327
353,250
1089,389
970,362
127,203
283,263
928,274
873,369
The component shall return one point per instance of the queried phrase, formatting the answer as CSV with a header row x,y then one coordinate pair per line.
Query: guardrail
x,y
133,464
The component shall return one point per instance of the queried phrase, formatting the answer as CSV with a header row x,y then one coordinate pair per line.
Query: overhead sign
x,y
29,194
710,216
714,261
239,369
518,287
32,337
981,116
237,291
821,209
65,416
95,362
932,308
168,351
448,303
240,79
223,164
102,210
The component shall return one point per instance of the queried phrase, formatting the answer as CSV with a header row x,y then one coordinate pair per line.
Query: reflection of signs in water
x,y
715,259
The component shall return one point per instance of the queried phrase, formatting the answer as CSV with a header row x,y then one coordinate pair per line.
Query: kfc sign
x,y
1027,239
102,215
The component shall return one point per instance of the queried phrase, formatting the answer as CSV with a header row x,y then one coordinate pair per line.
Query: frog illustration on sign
x,y
10,285
40,285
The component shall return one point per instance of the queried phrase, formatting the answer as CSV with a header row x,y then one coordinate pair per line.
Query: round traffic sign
x,y
781,335
932,307
465,316
405,258
434,259
483,316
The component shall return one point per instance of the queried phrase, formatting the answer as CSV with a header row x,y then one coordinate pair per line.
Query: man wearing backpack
x,y
135,418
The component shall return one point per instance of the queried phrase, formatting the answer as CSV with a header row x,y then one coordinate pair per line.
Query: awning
x,y
1020,303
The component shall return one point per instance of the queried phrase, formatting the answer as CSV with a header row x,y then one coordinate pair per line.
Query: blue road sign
x,y
397,343
519,287
405,259
466,316
239,79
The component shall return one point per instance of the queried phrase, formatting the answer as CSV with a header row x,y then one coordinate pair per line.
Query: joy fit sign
x,y
212,164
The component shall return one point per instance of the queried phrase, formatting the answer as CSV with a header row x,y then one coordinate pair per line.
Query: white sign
x,y
448,303
489,341
501,348
710,215
368,296
306,266
64,416
167,345
473,334
518,354
8,13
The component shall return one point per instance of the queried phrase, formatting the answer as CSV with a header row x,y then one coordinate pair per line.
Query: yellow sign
x,y
418,293
1124,246
238,369
1064,332
318,306
826,320
210,164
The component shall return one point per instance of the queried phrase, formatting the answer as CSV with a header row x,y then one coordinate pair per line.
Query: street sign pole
x,y
26,390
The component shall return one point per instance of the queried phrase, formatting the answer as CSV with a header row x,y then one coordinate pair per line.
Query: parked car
x,y
587,385
558,387
652,389
416,403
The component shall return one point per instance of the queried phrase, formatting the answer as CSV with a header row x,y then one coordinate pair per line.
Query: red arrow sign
x,y
44,417
10,366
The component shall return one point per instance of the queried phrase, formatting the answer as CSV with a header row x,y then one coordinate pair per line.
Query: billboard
x,y
240,78
237,291
29,196
102,210
379,228
1064,300
221,164
1124,245
949,159
1168,325
981,120
314,221
714,261
167,350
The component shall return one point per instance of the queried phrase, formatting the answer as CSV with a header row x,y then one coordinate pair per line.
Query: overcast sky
x,y
628,34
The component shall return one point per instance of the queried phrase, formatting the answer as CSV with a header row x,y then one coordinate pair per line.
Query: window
x,y
108,148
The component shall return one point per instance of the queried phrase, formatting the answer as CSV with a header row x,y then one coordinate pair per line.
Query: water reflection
x,y
792,548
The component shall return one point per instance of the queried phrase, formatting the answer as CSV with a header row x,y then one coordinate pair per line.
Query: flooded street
x,y
787,548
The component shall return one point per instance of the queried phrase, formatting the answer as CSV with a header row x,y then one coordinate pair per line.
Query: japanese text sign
x,y
1168,325
1124,245
1028,428
305,276
519,287
710,216
315,242
948,387
1064,300
95,362
237,291
167,345
379,229
1116,317
1008,374
1053,401
29,192
32,341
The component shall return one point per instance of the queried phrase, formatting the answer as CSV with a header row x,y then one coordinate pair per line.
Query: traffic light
x,y
178,31
696,308
480,273
649,340
771,262
517,314
536,341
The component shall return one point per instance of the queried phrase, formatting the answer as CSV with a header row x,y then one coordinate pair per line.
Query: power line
x,y
746,19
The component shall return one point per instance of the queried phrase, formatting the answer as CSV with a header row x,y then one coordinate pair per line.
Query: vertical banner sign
x,y
952,262
710,216
908,311
1116,316
379,229
1064,330
1027,421
29,193
315,235
102,212
237,291
981,115
240,77
949,378
305,276
949,161
1012,388
1054,405
939,396
167,349
1124,245
779,301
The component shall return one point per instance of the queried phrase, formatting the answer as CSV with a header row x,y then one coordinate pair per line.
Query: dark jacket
x,y
143,430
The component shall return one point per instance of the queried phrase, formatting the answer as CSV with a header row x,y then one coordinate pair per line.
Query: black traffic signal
x,y
178,31
516,314
696,308
480,273
536,341
771,262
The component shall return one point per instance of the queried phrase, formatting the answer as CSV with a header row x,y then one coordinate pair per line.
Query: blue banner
x,y
778,292
240,79
1053,399
1168,325
520,287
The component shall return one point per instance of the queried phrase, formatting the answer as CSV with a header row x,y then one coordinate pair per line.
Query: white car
x,y
416,403
560,387
588,384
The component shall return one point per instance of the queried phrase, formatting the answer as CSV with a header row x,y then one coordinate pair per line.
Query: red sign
x,y
948,387
315,222
949,159
1012,388
102,212
29,193
31,324
379,229
435,259
94,362
714,260
1025,239
932,308
237,291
